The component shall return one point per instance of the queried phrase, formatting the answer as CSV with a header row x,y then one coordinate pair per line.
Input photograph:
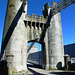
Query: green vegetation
x,y
21,0
23,73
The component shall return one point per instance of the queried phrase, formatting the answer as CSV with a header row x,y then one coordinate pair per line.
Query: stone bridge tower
x,y
55,43
20,28
14,44
55,56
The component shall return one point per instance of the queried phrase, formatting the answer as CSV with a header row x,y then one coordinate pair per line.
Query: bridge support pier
x,y
55,52
14,42
43,56
55,43
45,53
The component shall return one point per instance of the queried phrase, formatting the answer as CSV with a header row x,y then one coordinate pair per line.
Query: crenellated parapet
x,y
35,22
35,25
34,18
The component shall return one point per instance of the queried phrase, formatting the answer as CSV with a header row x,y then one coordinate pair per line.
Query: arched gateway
x,y
20,28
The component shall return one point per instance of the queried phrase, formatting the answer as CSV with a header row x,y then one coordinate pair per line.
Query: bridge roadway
x,y
36,70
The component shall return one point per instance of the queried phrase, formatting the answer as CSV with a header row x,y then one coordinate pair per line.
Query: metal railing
x,y
61,6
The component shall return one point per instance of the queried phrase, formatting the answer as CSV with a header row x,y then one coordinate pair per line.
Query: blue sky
x,y
35,7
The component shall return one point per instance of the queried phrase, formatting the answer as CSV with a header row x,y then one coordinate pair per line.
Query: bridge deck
x,y
33,70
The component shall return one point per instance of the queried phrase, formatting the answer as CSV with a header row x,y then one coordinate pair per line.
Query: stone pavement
x,y
32,70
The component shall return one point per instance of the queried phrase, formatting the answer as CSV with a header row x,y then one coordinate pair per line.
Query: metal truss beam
x,y
30,47
61,6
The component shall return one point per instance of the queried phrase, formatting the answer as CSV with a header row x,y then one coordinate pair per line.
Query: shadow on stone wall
x,y
10,30
3,63
3,68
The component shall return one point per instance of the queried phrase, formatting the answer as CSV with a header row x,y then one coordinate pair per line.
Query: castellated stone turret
x,y
55,42
14,44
